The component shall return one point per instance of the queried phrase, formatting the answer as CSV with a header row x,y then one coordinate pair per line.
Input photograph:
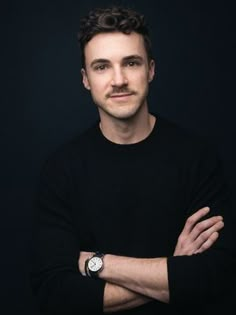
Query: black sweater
x,y
130,200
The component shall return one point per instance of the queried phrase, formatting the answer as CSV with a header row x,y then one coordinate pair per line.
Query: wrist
x,y
82,259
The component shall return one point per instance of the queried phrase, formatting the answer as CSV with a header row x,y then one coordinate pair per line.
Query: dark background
x,y
44,104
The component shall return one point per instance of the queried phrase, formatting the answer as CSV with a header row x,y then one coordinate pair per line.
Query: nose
x,y
118,78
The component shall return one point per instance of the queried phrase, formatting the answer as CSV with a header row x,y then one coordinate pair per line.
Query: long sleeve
x,y
130,200
207,276
55,277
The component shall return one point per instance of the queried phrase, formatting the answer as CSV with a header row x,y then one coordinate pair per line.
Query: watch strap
x,y
86,267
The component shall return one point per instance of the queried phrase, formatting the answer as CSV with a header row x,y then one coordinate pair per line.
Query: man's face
x,y
117,73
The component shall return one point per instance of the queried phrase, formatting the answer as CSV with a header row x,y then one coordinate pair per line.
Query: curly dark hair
x,y
113,19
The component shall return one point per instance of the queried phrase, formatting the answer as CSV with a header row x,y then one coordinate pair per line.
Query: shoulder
x,y
180,137
174,131
186,144
71,153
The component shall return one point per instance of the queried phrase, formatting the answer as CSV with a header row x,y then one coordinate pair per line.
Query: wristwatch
x,y
94,265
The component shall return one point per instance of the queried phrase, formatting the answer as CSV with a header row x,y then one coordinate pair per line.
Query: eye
x,y
132,63
101,67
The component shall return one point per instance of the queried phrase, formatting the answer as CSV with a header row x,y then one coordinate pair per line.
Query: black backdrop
x,y
43,102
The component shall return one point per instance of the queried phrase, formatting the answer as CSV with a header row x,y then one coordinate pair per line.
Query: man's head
x,y
117,62
113,19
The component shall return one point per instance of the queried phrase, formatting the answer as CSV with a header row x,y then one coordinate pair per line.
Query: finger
x,y
206,235
204,239
209,242
193,219
209,226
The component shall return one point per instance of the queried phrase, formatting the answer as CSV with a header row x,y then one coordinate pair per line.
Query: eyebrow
x,y
127,58
100,60
132,57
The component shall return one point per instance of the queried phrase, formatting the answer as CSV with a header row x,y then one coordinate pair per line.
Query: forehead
x,y
114,46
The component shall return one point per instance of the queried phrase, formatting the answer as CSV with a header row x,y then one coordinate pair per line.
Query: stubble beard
x,y
122,111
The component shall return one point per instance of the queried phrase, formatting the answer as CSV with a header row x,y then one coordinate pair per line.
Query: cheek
x,y
139,77
141,80
95,85
98,90
99,84
101,87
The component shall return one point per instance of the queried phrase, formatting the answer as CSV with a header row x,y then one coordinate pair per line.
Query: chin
x,y
123,112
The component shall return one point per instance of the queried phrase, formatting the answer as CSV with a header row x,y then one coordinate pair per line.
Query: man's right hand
x,y
197,236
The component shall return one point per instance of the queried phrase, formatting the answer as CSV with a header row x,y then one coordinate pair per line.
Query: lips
x,y
120,95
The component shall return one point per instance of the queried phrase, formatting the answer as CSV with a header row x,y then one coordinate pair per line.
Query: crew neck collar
x,y
140,143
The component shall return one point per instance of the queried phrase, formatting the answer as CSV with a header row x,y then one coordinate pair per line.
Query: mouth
x,y
121,95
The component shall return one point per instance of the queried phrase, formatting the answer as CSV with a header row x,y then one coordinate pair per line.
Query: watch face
x,y
95,264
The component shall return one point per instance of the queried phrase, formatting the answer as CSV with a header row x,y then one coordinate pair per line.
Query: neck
x,y
128,131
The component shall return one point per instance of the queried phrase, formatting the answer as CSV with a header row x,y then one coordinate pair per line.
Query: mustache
x,y
120,90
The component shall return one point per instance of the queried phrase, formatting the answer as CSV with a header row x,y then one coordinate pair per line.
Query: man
x,y
129,212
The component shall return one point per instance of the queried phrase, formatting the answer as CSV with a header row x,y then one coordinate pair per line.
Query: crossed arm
x,y
131,282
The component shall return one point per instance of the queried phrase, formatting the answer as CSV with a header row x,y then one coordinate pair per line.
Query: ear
x,y
85,79
151,71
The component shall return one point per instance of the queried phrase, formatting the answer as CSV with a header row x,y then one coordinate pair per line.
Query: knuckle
x,y
202,238
190,220
180,239
200,226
